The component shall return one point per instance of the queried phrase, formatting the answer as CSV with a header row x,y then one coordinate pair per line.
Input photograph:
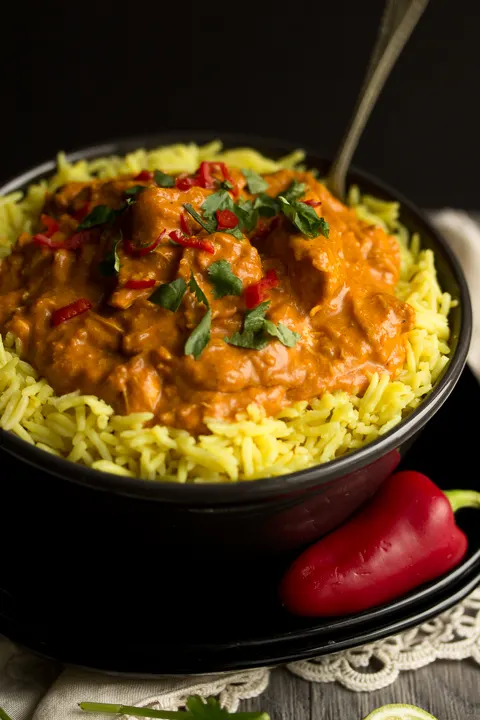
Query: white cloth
x,y
35,689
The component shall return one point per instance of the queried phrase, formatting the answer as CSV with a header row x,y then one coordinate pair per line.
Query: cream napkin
x,y
36,689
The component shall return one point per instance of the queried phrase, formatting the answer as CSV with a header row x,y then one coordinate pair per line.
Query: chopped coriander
x,y
324,227
111,264
226,185
286,336
254,319
223,279
304,218
220,200
170,295
294,191
256,329
255,183
199,337
100,215
163,180
266,205
209,225
248,340
236,232
195,288
247,215
135,190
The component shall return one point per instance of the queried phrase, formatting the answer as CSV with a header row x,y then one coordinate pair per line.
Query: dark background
x,y
79,73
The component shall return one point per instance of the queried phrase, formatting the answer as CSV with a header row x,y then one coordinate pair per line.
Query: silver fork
x,y
398,21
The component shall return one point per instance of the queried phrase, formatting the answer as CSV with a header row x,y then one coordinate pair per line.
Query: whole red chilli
x,y
405,537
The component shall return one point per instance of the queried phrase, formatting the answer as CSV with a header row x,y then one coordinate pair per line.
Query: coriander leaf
x,y
223,280
220,200
255,183
209,225
266,205
304,218
100,215
254,319
226,185
199,337
236,232
294,191
286,336
163,180
247,215
135,190
324,227
111,264
248,339
197,291
170,295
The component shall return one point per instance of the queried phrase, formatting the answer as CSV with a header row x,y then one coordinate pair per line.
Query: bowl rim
x,y
231,494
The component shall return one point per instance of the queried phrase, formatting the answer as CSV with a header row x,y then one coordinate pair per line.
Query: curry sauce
x,y
194,313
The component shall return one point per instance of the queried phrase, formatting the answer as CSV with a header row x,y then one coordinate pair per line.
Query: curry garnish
x,y
294,191
67,312
177,237
220,200
247,215
258,292
255,183
286,336
200,337
197,291
223,279
170,295
135,190
208,225
100,215
163,180
111,264
256,328
267,206
304,218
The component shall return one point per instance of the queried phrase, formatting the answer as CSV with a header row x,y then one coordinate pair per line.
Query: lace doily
x,y
455,635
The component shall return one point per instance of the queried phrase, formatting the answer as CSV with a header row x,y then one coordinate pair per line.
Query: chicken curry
x,y
192,297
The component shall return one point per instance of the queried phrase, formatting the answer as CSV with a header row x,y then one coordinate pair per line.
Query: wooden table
x,y
448,690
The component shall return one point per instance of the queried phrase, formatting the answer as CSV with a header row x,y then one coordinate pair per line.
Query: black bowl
x,y
206,551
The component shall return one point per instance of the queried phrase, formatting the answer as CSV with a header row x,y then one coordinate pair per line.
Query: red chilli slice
x,y
70,243
258,292
144,176
184,182
191,242
185,225
228,178
226,220
82,213
312,203
70,311
51,225
140,250
139,284
205,176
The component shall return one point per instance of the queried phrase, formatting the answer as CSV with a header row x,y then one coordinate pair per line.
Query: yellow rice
x,y
85,429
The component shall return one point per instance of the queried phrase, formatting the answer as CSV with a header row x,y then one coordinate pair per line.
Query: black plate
x,y
272,636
